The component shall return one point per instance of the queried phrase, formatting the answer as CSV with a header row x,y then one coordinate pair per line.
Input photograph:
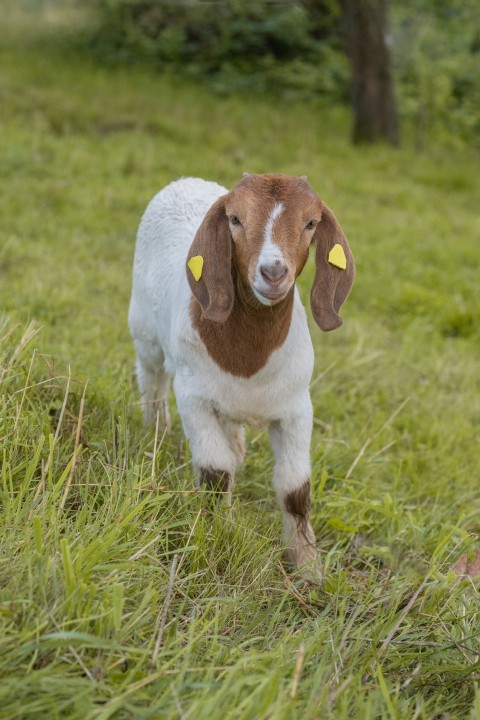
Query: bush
x,y
297,48
437,53
232,44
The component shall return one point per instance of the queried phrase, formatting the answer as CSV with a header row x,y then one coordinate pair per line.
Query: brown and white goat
x,y
214,305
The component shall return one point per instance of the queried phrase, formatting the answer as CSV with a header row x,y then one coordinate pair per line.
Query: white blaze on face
x,y
269,254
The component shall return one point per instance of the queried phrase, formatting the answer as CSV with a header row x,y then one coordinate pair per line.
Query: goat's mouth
x,y
269,297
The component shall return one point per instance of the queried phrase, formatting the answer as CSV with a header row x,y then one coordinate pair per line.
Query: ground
x,y
123,593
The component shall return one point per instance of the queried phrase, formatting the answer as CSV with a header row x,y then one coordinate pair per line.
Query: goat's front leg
x,y
213,458
290,438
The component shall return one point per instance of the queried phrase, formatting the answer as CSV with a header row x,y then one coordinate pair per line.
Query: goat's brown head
x,y
262,230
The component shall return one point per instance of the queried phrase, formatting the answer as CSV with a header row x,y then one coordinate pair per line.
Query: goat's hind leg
x,y
235,434
154,385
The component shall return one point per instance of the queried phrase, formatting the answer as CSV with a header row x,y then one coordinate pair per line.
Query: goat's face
x,y
264,226
272,220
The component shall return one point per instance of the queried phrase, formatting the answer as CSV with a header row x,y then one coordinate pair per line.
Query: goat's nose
x,y
274,273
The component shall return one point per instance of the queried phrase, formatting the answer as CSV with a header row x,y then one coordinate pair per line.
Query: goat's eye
x,y
234,220
311,225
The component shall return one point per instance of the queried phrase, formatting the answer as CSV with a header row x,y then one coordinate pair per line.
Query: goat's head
x,y
262,230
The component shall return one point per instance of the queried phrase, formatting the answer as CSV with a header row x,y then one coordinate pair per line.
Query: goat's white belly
x,y
249,404
242,400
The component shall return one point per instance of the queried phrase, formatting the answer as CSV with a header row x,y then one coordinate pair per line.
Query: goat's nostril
x,y
273,274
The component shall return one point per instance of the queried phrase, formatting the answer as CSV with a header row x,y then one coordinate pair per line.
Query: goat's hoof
x,y
157,415
215,482
311,571
306,565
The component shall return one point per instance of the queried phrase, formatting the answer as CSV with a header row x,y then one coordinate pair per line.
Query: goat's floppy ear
x,y
209,265
334,274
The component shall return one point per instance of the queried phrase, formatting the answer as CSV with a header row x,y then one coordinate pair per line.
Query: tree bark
x,y
373,92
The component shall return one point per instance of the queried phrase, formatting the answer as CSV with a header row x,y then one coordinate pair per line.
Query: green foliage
x,y
438,56
296,47
94,510
232,44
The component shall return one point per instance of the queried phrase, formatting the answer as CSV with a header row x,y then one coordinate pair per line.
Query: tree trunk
x,y
373,93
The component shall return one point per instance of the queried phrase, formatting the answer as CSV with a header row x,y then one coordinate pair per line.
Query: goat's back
x,y
160,289
170,222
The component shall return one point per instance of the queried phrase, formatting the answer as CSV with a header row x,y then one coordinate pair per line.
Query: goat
x,y
214,305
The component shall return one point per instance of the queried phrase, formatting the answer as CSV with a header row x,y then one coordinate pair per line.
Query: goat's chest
x,y
275,391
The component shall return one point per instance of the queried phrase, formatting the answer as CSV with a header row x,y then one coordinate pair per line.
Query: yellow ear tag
x,y
196,266
336,257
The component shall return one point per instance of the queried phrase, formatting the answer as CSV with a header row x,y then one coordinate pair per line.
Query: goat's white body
x,y
160,318
213,403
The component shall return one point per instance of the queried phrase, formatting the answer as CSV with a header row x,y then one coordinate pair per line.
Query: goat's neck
x,y
243,344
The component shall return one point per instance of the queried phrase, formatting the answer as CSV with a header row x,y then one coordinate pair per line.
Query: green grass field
x,y
122,594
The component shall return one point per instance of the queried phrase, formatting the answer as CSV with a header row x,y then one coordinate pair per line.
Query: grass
x,y
122,594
